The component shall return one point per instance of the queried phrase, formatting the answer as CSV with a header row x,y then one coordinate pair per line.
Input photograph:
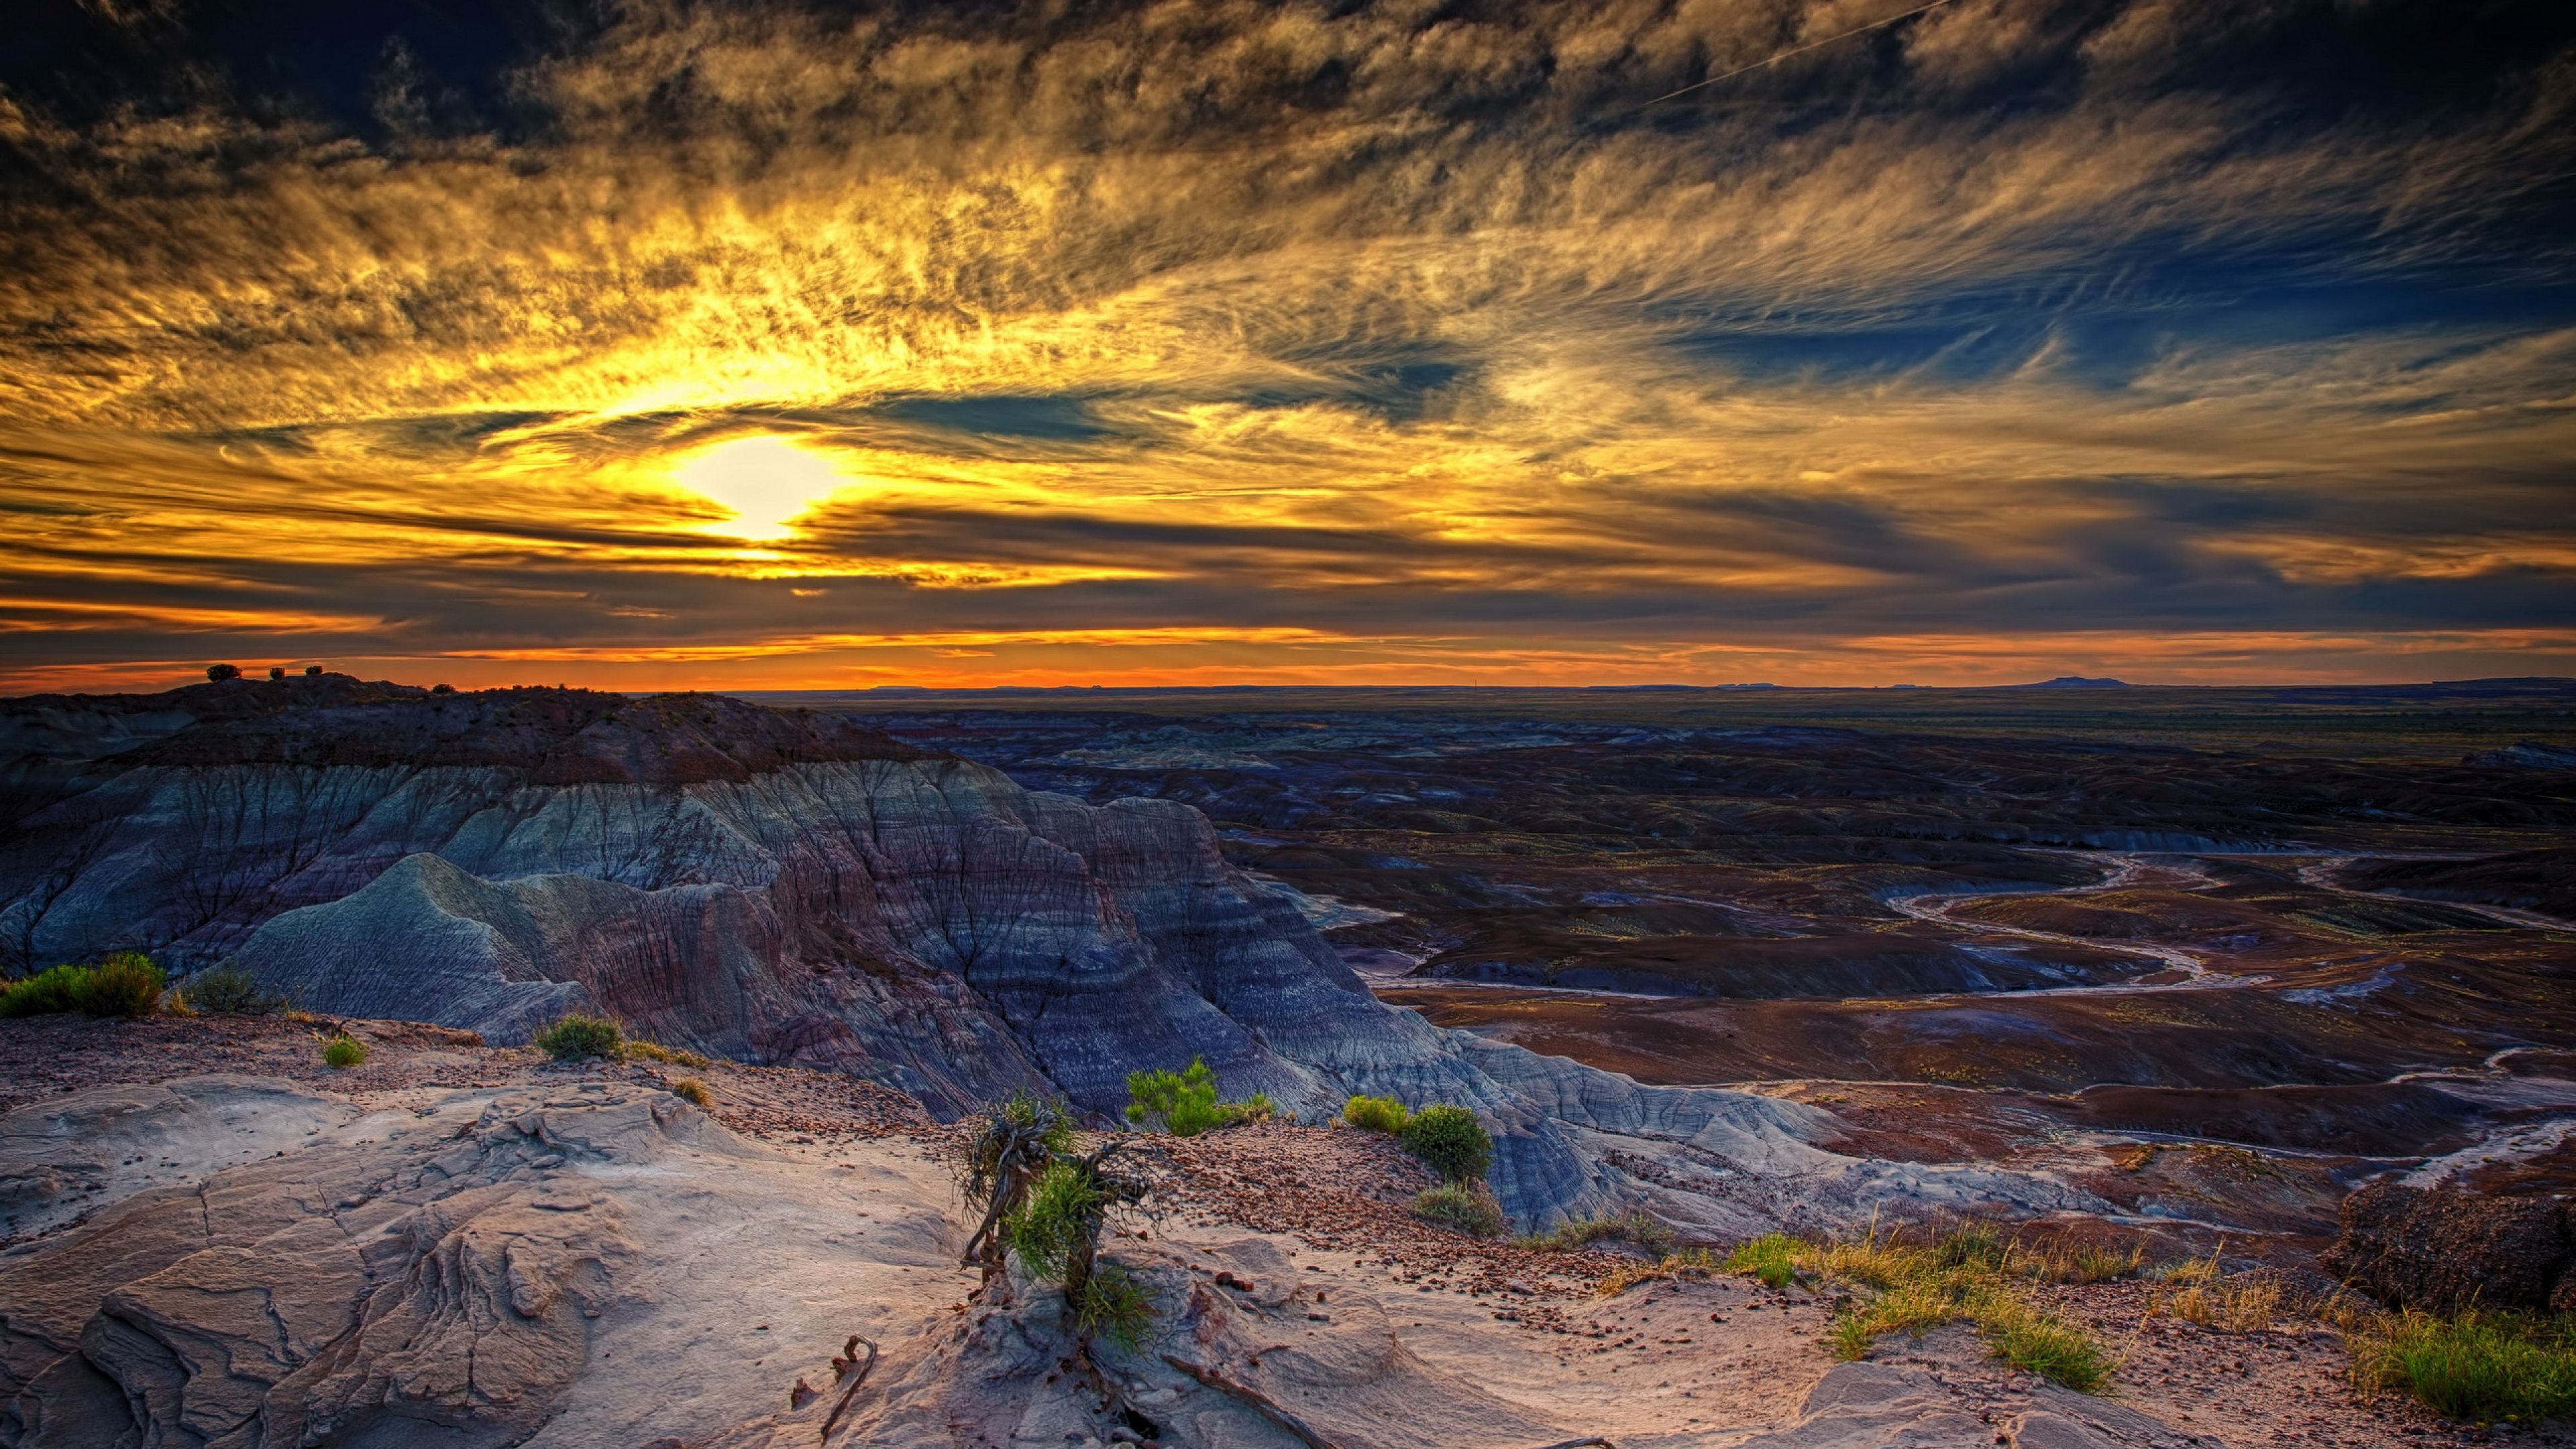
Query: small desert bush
x,y
1116,1305
1051,1218
228,990
46,993
343,1052
2479,1367
1184,1103
1047,1120
691,1090
1057,1221
1461,1207
1451,1140
126,984
1375,1114
577,1038
1630,1227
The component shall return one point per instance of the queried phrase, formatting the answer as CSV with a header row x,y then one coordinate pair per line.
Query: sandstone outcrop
x,y
461,1272
2412,1247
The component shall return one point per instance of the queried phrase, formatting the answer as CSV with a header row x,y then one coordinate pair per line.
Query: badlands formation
x,y
213,1239
789,889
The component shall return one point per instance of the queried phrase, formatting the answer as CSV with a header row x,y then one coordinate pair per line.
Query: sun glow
x,y
767,481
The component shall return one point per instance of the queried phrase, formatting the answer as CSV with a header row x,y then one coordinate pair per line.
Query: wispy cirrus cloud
x,y
1296,343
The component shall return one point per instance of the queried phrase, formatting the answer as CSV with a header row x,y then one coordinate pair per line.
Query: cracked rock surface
x,y
557,1265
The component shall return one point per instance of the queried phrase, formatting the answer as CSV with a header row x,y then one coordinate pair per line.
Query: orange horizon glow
x,y
2212,661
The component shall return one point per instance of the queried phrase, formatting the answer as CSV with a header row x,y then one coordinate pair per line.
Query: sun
x,y
766,481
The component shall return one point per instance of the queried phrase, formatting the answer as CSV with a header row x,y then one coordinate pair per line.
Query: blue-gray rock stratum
x,y
783,887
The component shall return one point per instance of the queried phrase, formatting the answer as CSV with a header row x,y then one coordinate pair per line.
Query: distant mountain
x,y
2073,681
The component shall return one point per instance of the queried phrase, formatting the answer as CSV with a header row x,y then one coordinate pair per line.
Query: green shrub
x,y
1463,1207
53,990
1375,1114
1451,1140
577,1038
1057,1221
1184,1103
126,984
228,990
2478,1367
344,1051
1116,1305
1047,1207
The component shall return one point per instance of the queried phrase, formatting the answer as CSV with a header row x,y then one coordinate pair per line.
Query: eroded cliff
x,y
785,888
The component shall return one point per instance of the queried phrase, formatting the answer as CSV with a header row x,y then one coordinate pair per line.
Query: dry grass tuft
x,y
1672,1267
2197,1290
652,1051
1972,1274
1631,1227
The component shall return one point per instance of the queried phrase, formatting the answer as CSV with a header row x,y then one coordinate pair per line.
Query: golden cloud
x,y
1275,328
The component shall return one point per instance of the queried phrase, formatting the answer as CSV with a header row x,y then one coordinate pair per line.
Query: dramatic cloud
x,y
801,346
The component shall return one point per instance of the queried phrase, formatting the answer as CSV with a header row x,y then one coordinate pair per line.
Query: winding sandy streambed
x,y
2127,870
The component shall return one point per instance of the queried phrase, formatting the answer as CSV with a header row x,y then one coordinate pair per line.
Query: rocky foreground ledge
x,y
209,1238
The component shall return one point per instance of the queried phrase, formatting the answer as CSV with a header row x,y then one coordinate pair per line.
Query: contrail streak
x,y
1800,50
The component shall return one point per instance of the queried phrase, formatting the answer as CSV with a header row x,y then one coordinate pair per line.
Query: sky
x,y
657,345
